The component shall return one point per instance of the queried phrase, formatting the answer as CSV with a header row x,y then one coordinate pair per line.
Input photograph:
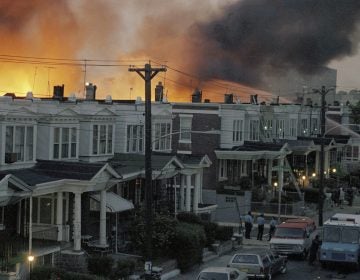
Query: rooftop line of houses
x,y
62,159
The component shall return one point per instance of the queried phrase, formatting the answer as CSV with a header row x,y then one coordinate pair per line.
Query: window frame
x,y
135,138
101,142
20,141
65,142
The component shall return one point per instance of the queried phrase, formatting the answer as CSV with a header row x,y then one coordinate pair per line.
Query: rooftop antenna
x,y
130,92
49,68
85,77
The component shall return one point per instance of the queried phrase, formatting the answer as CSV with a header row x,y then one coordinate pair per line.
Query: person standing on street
x,y
314,248
248,224
260,222
272,225
341,197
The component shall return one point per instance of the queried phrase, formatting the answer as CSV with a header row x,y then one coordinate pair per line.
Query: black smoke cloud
x,y
254,39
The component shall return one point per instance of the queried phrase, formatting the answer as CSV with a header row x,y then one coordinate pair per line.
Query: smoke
x,y
255,39
244,41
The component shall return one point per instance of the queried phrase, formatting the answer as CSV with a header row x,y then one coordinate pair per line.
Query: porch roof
x,y
114,202
253,151
134,164
47,171
301,147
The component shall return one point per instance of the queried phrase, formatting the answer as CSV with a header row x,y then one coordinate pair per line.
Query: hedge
x,y
188,245
101,266
224,233
45,272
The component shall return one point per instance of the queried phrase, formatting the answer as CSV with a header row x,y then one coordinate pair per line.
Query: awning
x,y
114,203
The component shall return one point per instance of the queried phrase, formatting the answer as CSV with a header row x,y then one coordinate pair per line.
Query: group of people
x,y
339,196
249,220
260,220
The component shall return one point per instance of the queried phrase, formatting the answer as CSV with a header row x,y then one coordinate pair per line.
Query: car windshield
x,y
246,259
349,235
212,276
331,234
289,232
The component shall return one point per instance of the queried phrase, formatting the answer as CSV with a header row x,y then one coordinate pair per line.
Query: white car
x,y
221,273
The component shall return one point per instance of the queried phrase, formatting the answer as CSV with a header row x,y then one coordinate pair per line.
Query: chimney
x,y
253,99
196,96
159,92
90,91
229,98
58,92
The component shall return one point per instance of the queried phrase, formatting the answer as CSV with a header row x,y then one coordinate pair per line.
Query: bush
x,y
210,233
188,245
190,218
124,268
45,272
163,233
224,233
311,195
101,266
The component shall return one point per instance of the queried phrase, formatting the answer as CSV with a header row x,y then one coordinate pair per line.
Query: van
x,y
341,241
294,237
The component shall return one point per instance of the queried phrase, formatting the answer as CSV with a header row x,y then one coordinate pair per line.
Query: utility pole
x,y
147,76
323,93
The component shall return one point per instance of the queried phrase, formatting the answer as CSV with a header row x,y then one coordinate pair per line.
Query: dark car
x,y
261,264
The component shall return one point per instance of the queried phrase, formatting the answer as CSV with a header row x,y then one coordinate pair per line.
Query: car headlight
x,y
324,255
351,256
272,246
300,247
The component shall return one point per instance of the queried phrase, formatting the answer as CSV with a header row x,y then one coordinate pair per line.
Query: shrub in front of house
x,y
163,233
224,233
210,233
311,195
188,217
46,272
188,245
101,266
124,268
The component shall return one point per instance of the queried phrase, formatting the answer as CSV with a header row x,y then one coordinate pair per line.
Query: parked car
x,y
293,237
261,264
221,273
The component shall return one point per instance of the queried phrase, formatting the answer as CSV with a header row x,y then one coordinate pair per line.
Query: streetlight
x,y
30,259
303,180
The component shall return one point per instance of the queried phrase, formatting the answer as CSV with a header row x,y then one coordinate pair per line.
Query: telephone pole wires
x,y
323,93
147,73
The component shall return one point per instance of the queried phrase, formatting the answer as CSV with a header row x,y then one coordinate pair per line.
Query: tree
x,y
355,113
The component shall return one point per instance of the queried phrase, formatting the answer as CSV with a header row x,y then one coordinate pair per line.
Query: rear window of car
x,y
246,259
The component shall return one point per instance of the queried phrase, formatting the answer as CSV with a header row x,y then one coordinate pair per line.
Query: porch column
x,y
317,163
59,215
188,194
306,167
77,222
102,233
197,188
269,172
327,163
182,192
281,181
18,220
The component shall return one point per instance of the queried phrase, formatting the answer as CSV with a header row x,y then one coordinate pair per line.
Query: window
x,y
293,127
135,139
102,141
185,128
237,130
331,234
162,139
314,126
222,168
350,235
304,127
19,143
230,199
280,129
254,130
65,142
268,129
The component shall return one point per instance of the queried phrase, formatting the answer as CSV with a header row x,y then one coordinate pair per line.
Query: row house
x,y
66,165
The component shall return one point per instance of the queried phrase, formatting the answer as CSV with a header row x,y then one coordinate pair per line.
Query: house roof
x,y
258,146
47,171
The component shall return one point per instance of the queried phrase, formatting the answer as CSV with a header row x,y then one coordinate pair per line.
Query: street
x,y
297,269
